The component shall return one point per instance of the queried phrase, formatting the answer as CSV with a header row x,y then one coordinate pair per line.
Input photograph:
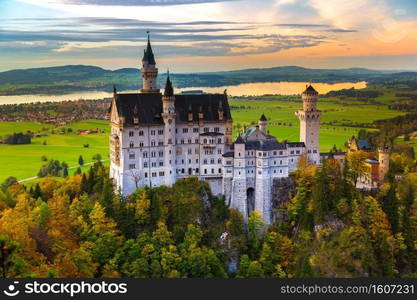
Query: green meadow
x,y
24,161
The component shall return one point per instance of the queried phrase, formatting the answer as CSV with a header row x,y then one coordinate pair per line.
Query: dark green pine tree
x,y
91,180
77,171
81,160
321,193
304,217
84,184
64,169
411,255
106,198
390,205
36,192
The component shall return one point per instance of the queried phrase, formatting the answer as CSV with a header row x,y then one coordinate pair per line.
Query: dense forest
x,y
79,227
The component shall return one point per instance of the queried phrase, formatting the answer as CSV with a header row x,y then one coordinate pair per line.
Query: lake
x,y
244,89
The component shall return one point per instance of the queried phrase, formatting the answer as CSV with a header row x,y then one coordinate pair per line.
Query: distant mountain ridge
x,y
73,78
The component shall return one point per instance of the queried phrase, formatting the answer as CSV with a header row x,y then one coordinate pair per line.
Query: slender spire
x,y
148,53
263,118
169,90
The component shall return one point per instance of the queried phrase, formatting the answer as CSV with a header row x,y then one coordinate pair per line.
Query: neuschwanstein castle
x,y
158,138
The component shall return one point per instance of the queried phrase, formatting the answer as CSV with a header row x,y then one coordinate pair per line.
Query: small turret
x,y
169,90
383,159
262,124
168,99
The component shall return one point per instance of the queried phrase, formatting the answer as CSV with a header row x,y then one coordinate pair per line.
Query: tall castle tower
x,y
309,118
149,71
383,158
239,189
168,114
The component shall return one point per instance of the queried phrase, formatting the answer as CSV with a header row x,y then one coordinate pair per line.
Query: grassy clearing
x,y
24,161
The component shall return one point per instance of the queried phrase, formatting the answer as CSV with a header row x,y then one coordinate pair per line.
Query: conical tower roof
x,y
148,53
169,90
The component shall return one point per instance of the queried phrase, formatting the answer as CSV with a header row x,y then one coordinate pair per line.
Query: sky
x,y
209,35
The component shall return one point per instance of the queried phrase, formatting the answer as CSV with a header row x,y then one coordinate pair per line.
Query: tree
x,y
322,197
77,171
277,255
142,207
97,157
7,254
356,161
255,226
348,254
9,182
135,174
81,160
390,205
64,169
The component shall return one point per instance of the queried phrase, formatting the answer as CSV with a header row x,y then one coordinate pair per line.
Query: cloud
x,y
197,38
138,2
347,14
302,25
339,30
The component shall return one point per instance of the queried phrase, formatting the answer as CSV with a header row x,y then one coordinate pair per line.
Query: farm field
x,y
24,161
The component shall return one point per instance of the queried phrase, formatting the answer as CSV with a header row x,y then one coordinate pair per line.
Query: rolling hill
x,y
73,78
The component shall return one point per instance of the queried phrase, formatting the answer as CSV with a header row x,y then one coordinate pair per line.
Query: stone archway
x,y
250,200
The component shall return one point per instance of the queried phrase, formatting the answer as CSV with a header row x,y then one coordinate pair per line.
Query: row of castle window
x,y
161,163
314,151
264,154
161,143
184,130
292,152
178,152
153,132
259,172
190,171
161,174
195,130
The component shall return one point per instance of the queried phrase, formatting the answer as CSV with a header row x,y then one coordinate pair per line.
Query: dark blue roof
x,y
310,90
364,144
